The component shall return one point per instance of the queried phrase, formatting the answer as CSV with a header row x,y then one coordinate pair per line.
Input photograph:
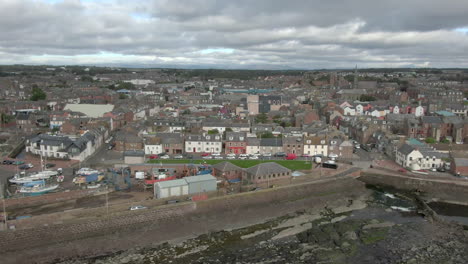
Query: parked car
x,y
218,157
24,167
172,201
207,157
137,207
49,165
253,157
18,162
189,156
215,154
266,154
153,157
8,162
305,155
231,156
243,156
205,154
178,156
280,154
402,170
255,189
164,157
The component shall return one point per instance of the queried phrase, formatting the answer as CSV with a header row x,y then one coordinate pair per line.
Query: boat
x,y
40,175
86,171
38,188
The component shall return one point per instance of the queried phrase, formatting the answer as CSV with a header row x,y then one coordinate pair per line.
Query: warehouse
x,y
165,189
201,183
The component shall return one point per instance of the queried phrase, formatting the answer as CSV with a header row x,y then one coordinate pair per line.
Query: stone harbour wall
x,y
171,222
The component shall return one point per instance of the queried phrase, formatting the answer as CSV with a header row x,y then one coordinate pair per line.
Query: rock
x,y
378,225
350,235
337,219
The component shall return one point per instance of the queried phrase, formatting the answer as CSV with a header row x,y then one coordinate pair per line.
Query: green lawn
x,y
290,164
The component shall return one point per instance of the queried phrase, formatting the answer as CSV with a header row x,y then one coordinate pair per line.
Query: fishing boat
x,y
39,188
40,175
86,171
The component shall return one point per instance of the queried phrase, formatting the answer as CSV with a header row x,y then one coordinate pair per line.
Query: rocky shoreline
x,y
359,233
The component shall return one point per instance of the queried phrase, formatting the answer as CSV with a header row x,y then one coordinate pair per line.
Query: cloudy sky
x,y
266,34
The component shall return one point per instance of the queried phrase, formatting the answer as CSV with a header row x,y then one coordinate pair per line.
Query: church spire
x,y
355,82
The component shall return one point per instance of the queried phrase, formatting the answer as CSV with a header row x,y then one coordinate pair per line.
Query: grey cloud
x,y
310,34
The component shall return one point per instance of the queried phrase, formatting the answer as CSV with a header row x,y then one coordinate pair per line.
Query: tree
x,y
37,94
366,98
261,118
213,132
126,85
430,140
265,135
445,141
4,118
122,96
186,112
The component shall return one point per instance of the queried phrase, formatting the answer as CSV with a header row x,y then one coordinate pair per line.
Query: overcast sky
x,y
266,34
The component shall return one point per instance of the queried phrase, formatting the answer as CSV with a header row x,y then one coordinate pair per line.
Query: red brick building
x,y
236,142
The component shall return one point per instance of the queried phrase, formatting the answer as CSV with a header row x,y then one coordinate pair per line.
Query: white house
x,y
64,147
203,143
153,146
419,157
396,109
315,146
207,126
349,111
359,109
419,111
253,145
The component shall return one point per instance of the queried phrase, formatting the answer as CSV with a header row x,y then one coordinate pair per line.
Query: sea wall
x,y
145,227
431,189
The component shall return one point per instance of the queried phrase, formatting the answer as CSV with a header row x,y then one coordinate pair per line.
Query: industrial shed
x,y
201,183
165,189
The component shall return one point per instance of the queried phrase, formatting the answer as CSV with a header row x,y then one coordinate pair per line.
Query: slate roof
x,y
267,168
406,149
271,142
461,162
226,166
431,119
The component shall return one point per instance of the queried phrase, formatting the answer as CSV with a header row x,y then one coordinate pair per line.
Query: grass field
x,y
290,164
